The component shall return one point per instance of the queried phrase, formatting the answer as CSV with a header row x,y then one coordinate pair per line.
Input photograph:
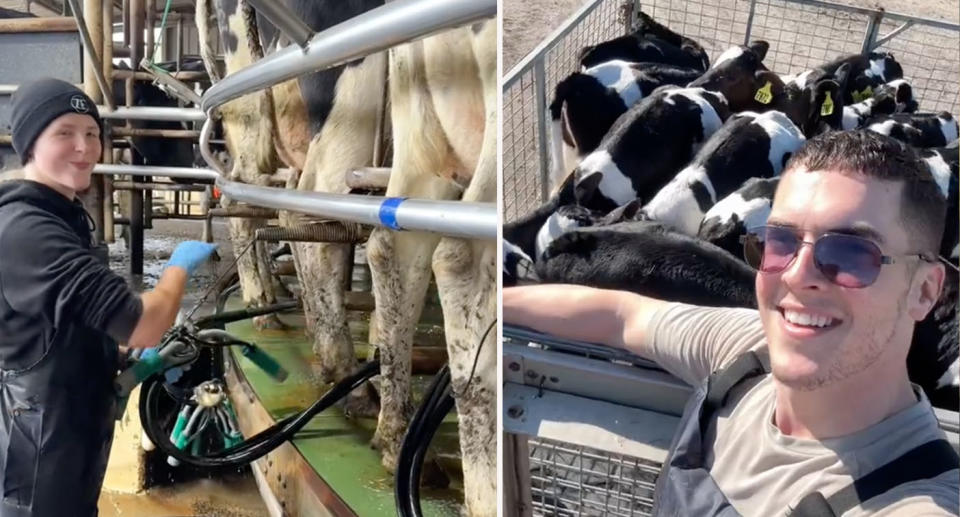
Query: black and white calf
x,y
866,74
893,97
651,42
944,163
733,215
917,129
647,146
740,75
748,145
586,104
649,259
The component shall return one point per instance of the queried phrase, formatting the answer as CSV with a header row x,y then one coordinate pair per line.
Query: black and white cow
x,y
651,42
748,145
647,146
814,100
733,215
586,104
866,73
944,163
893,97
740,75
649,259
917,129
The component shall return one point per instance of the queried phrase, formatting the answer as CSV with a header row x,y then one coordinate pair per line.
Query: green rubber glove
x,y
190,254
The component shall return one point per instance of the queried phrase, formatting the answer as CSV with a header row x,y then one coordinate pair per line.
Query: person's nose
x,y
802,273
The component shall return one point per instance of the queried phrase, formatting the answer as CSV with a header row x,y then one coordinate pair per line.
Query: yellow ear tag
x,y
863,95
763,95
827,107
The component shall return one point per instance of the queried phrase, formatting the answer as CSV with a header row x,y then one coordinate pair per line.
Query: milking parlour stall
x,y
338,356
640,140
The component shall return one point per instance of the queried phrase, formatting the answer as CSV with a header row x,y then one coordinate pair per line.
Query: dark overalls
x,y
685,487
56,414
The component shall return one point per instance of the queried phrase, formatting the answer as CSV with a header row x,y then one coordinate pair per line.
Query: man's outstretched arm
x,y
613,318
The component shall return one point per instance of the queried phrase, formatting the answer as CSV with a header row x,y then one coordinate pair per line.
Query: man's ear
x,y
928,284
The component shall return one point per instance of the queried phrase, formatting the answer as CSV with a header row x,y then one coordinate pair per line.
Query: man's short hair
x,y
923,207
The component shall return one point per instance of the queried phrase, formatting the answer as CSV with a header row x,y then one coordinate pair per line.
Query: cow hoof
x,y
362,402
433,475
268,322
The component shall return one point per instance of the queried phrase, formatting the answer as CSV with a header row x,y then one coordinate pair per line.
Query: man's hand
x,y
190,254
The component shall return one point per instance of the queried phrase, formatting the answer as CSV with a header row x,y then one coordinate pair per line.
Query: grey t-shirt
x,y
764,472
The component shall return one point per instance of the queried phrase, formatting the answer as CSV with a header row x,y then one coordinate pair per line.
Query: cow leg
x,y
466,280
344,142
400,261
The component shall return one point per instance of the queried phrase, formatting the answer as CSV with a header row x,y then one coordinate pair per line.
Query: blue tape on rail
x,y
388,212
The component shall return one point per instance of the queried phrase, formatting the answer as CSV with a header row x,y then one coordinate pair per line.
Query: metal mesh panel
x,y
573,480
522,155
931,60
801,37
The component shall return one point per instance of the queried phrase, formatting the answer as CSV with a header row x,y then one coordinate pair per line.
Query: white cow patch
x,y
510,248
675,204
753,212
555,226
940,171
956,252
951,377
801,80
884,127
949,128
854,114
785,136
615,185
557,145
619,76
709,120
878,68
729,54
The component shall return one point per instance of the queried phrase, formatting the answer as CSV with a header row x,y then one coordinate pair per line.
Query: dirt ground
x,y
527,22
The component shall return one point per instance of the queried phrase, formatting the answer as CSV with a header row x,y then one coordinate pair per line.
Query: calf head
x,y
902,93
739,74
815,108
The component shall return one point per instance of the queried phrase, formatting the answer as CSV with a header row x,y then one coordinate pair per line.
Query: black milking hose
x,y
256,446
436,404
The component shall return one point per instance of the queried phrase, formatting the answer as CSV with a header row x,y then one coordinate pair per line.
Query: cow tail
x,y
207,27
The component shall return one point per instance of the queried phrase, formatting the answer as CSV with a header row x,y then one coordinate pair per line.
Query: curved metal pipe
x,y
381,28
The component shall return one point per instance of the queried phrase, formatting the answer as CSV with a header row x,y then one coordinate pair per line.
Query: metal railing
x,y
387,26
802,34
587,427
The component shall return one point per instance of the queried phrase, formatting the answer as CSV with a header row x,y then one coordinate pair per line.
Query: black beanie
x,y
37,104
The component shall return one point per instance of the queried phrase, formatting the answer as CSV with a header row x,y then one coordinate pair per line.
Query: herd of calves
x,y
661,162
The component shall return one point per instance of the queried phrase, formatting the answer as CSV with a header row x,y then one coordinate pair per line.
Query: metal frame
x,y
590,404
392,24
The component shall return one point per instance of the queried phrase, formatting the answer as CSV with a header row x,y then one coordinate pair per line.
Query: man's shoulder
x,y
939,496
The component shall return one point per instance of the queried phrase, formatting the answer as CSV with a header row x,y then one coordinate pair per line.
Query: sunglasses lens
x,y
778,247
847,261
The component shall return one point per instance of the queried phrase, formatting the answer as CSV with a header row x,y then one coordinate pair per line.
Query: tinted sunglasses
x,y
846,260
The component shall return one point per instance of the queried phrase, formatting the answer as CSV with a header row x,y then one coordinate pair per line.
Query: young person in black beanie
x,y
62,312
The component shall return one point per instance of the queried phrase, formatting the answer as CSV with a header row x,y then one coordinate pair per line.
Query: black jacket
x,y
61,315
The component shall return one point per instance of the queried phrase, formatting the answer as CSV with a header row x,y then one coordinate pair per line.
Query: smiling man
x,y
804,405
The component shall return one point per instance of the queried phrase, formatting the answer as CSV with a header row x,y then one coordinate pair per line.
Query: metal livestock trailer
x,y
585,428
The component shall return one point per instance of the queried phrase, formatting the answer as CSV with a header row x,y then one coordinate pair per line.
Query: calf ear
x,y
585,186
760,48
627,212
842,75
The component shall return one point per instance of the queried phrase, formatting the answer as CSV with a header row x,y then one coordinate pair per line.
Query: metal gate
x,y
801,33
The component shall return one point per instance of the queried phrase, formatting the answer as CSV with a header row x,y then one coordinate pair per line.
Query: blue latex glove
x,y
190,254
172,375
